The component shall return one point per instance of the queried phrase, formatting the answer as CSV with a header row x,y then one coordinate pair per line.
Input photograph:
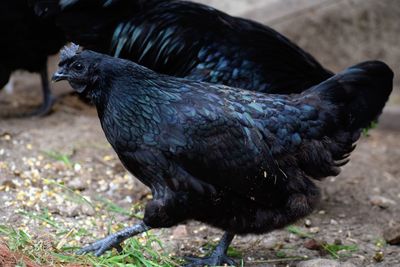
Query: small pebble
x,y
313,244
180,232
77,184
70,210
392,235
77,167
381,201
87,210
379,256
314,230
338,242
9,184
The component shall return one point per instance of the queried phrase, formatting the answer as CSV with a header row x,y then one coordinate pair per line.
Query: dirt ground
x,y
29,148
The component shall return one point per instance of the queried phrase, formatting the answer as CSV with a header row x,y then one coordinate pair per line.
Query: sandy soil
x,y
345,214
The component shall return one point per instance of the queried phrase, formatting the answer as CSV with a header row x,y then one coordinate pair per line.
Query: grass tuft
x,y
297,231
144,251
334,249
58,246
59,157
373,125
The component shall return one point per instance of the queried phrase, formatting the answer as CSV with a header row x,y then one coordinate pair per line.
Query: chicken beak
x,y
59,76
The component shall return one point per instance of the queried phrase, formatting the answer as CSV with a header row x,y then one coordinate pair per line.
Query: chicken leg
x,y
218,257
114,240
48,99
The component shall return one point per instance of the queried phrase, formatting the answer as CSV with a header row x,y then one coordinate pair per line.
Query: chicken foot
x,y
114,240
218,257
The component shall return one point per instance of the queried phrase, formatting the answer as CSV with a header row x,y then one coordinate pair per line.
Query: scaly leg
x,y
218,257
114,240
48,99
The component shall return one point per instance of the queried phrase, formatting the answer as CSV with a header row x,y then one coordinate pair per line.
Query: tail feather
x,y
350,101
360,92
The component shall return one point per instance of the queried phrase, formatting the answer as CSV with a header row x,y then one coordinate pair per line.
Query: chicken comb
x,y
69,51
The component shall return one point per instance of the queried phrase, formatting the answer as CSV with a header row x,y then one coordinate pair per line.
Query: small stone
x,y
77,184
77,167
269,242
338,242
381,201
6,136
87,210
313,244
108,158
392,235
9,184
70,210
333,222
324,263
59,166
180,232
314,230
379,256
307,223
73,210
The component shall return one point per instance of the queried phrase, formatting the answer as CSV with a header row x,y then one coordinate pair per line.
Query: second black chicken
x,y
26,43
186,39
238,160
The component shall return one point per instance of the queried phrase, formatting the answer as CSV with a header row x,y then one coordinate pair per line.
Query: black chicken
x,y
26,43
186,39
239,160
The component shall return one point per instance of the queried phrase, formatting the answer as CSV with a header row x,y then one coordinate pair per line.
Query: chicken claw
x,y
114,240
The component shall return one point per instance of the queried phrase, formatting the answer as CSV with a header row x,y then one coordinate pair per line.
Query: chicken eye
x,y
77,66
